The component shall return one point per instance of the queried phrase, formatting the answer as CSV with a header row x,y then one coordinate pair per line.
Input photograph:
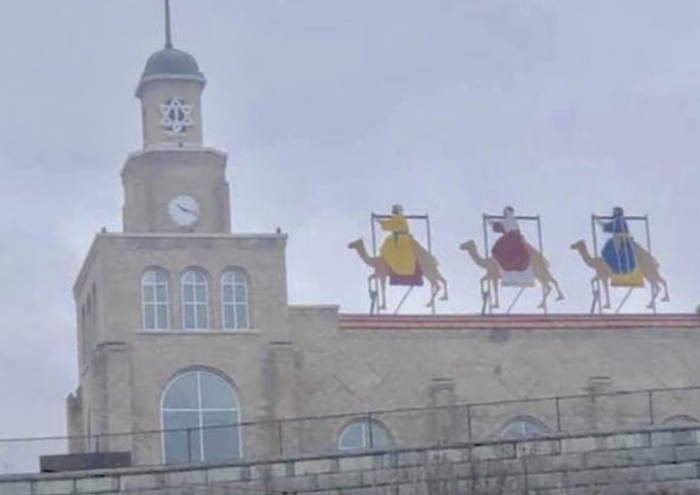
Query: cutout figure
x,y
511,252
619,252
397,250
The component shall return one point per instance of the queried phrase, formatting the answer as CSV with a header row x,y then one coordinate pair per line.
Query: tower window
x,y
154,296
200,415
234,299
364,433
195,300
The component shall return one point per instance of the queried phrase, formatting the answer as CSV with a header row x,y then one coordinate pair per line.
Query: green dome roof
x,y
171,62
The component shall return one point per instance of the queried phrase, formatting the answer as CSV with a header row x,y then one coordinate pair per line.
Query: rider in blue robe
x,y
618,251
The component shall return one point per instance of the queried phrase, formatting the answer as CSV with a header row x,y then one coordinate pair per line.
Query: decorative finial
x,y
168,33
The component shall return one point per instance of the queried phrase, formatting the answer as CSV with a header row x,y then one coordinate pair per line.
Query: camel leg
x,y
604,283
382,282
370,279
546,289
496,300
485,287
560,294
434,289
666,298
444,288
606,287
655,289
380,291
543,275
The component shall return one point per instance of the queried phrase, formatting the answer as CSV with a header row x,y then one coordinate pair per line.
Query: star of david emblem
x,y
176,117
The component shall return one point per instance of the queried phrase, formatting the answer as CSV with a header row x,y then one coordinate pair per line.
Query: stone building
x,y
185,326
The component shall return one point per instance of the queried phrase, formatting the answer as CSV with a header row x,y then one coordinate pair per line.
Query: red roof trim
x,y
516,322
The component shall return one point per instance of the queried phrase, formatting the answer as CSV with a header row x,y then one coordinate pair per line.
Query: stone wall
x,y
659,460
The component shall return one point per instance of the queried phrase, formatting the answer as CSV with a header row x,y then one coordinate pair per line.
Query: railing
x,y
405,427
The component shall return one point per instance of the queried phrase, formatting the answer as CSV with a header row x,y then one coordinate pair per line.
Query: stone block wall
x,y
653,461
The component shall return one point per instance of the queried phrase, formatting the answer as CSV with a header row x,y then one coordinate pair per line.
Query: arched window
x,y
200,415
524,427
154,299
364,434
680,437
234,299
195,300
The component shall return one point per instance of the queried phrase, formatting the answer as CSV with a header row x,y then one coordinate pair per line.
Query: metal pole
x,y
374,254
168,31
651,287
430,250
403,300
279,437
595,255
557,406
539,240
515,300
648,231
651,407
369,425
486,255
429,240
189,444
469,422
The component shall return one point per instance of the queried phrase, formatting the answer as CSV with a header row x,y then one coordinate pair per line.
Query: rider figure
x,y
397,249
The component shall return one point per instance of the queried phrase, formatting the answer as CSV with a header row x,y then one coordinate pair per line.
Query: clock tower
x,y
174,183
176,295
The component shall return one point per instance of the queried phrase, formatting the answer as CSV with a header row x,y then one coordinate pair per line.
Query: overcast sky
x,y
331,110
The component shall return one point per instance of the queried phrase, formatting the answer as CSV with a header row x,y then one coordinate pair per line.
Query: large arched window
x,y
524,427
154,299
195,300
364,434
200,415
234,300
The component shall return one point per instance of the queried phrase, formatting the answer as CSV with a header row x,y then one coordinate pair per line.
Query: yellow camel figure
x,y
426,261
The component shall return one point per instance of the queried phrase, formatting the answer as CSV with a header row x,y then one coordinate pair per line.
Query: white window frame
x,y
366,424
239,278
195,303
200,412
539,426
155,304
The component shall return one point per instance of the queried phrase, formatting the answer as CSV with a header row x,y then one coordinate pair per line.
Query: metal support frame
x,y
487,297
596,285
374,289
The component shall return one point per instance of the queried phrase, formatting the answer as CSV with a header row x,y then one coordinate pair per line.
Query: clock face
x,y
184,210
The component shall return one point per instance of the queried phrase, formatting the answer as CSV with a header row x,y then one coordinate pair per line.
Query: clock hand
x,y
186,210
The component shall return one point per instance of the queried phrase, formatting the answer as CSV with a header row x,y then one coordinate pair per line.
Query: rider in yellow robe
x,y
397,249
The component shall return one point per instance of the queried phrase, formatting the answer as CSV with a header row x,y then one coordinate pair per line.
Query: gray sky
x,y
331,110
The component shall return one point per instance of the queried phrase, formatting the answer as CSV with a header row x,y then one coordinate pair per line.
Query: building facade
x,y
184,330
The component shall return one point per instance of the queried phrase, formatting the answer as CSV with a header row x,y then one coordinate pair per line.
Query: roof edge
x,y
518,322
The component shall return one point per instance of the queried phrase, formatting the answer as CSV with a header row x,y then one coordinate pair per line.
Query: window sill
x,y
197,333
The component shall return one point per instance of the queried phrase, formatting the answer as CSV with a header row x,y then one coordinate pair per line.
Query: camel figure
x,y
426,261
648,266
492,278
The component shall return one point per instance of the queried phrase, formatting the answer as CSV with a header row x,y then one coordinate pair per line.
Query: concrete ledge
x,y
553,464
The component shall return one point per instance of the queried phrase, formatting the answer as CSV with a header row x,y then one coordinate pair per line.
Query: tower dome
x,y
171,62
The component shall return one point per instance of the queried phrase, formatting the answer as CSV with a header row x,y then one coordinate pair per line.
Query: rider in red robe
x,y
510,250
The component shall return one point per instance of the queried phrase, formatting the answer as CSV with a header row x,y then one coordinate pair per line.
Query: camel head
x,y
355,244
579,245
468,246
